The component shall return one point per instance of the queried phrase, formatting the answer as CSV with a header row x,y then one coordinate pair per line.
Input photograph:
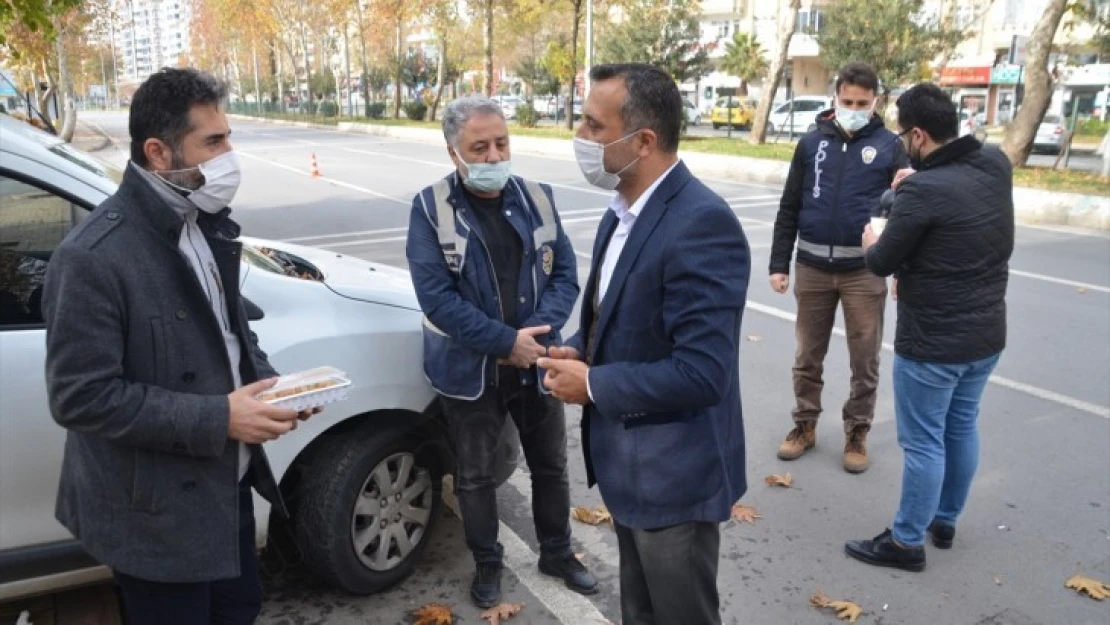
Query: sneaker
x,y
485,590
800,440
855,450
573,573
942,534
883,551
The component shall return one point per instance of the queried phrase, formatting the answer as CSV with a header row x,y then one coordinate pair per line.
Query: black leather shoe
x,y
485,590
883,551
942,534
571,571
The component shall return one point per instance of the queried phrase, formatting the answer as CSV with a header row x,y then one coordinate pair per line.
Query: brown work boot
x,y
855,450
800,440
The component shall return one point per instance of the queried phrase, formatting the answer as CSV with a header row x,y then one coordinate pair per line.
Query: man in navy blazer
x,y
655,361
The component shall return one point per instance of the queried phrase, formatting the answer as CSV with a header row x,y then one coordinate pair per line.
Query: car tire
x,y
770,128
716,126
697,120
339,505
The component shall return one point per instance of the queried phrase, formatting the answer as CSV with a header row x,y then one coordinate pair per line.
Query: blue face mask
x,y
852,121
487,177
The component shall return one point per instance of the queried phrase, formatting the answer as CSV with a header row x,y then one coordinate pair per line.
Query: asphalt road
x,y
1040,506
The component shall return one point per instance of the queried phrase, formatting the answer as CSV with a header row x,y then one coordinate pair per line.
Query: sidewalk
x,y
1031,206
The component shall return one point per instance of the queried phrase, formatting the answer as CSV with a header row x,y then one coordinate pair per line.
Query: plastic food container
x,y
308,389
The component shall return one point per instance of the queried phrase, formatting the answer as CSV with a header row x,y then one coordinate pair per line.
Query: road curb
x,y
1031,206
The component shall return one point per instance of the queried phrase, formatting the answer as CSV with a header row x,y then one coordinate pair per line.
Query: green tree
x,y
898,41
674,47
744,58
37,16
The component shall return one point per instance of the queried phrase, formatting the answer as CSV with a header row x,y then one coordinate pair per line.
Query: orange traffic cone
x,y
314,170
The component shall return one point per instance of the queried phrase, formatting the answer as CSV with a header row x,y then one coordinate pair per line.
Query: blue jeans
x,y
938,410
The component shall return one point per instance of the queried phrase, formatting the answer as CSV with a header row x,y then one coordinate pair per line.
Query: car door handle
x,y
254,313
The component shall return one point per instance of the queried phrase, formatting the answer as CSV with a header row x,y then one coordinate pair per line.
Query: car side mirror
x,y
254,313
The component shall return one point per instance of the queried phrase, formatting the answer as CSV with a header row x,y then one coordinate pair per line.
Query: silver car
x,y
1051,135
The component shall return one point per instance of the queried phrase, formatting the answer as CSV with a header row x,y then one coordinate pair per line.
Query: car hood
x,y
352,277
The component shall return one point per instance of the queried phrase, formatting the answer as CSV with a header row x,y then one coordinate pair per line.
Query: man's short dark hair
x,y
927,107
653,100
160,108
859,75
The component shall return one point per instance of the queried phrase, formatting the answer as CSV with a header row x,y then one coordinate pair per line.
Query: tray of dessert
x,y
308,389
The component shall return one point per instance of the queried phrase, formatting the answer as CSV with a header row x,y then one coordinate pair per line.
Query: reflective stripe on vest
x,y
829,251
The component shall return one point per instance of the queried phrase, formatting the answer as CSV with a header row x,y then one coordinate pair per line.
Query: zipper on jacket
x,y
496,287
839,191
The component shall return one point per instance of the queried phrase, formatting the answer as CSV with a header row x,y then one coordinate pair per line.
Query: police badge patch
x,y
869,154
547,255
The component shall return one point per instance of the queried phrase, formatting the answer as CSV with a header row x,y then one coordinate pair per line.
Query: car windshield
x,y
255,258
724,102
1051,119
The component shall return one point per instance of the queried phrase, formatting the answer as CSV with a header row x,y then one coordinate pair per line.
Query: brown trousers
x,y
863,295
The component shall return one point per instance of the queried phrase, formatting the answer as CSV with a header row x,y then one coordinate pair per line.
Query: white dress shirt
x,y
627,218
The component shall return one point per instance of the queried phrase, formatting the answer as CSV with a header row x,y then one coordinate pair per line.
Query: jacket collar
x,y
952,151
146,202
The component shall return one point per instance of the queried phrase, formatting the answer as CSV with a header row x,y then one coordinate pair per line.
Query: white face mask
x,y
591,160
221,182
852,121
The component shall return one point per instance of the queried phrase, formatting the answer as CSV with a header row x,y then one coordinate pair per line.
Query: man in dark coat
x,y
153,369
948,240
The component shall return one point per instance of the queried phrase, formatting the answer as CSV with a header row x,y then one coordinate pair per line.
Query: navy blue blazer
x,y
664,436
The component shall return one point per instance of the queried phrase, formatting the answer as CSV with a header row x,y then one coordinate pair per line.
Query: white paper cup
x,y
877,225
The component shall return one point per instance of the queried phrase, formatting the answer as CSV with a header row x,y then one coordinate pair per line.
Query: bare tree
x,y
1038,91
787,24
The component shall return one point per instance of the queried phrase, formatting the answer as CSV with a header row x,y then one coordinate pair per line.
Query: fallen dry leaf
x,y
1091,587
502,611
433,614
597,516
744,514
845,610
785,480
755,338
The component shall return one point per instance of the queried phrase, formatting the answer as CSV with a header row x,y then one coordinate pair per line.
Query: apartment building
x,y
979,73
150,34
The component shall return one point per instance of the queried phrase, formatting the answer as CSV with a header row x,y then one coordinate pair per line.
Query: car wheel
x,y
697,120
366,509
770,128
716,126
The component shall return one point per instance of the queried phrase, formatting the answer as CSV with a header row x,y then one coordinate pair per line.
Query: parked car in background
x,y
1051,135
509,104
799,114
735,112
691,114
362,479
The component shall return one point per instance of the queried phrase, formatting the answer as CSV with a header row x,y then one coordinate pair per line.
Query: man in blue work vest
x,y
496,278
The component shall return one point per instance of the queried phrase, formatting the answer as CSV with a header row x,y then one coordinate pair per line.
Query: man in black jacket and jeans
x,y
949,238
838,174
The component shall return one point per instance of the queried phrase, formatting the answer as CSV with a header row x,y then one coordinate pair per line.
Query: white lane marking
x,y
1028,389
1021,387
343,235
566,605
1042,277
1067,230
338,183
752,198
